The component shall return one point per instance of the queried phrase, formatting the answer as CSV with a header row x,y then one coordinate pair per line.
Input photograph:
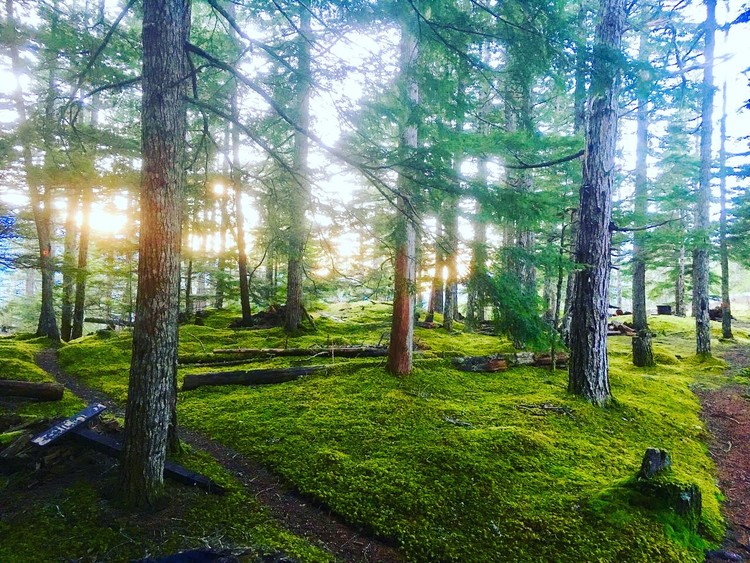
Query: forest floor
x,y
303,516
446,465
726,410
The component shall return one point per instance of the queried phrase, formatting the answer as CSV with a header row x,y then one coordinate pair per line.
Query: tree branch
x,y
524,166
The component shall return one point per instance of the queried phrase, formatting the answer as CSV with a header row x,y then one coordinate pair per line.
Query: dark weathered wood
x,y
41,391
249,377
588,374
150,413
111,446
61,428
342,351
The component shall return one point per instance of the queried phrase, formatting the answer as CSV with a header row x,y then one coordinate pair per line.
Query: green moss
x,y
456,465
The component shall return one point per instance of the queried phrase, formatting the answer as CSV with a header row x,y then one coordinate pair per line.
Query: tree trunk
x,y
82,268
153,371
300,194
437,293
451,242
643,355
702,219
68,268
239,214
579,94
588,373
189,288
570,284
402,326
39,195
679,288
726,309
221,275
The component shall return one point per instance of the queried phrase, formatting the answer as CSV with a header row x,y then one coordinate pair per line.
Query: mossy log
x,y
343,352
501,362
40,391
109,322
249,377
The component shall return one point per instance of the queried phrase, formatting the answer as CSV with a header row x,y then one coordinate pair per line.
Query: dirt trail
x,y
727,414
300,515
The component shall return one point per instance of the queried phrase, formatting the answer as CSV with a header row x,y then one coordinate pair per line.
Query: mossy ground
x,y
71,514
452,465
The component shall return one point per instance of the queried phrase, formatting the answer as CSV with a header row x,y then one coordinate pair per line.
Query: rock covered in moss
x,y
655,461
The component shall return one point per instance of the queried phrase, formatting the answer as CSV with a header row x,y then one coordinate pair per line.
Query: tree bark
x,y
240,217
300,189
643,354
41,391
588,373
153,371
82,267
450,308
726,308
68,268
579,94
437,293
40,196
702,219
679,288
249,377
402,325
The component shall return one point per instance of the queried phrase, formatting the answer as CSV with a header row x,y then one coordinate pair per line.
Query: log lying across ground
x,y
341,351
250,377
109,322
41,391
501,362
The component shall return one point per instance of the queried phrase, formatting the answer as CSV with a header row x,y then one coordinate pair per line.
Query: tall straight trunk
x,y
579,94
437,291
679,287
588,372
239,215
221,266
40,196
405,274
726,308
82,266
643,354
189,288
702,219
451,243
300,195
69,267
153,369
570,284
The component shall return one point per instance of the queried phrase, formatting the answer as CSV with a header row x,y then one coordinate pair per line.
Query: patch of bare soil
x,y
296,513
727,414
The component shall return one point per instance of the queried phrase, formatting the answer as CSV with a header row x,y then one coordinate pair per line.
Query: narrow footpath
x,y
726,412
296,513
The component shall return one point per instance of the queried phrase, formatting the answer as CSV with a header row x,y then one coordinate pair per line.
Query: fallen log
x,y
109,322
41,391
342,351
501,362
111,446
249,377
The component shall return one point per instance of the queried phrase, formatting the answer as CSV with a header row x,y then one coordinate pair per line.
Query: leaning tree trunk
x,y
402,325
726,309
300,194
702,219
588,373
153,369
643,354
